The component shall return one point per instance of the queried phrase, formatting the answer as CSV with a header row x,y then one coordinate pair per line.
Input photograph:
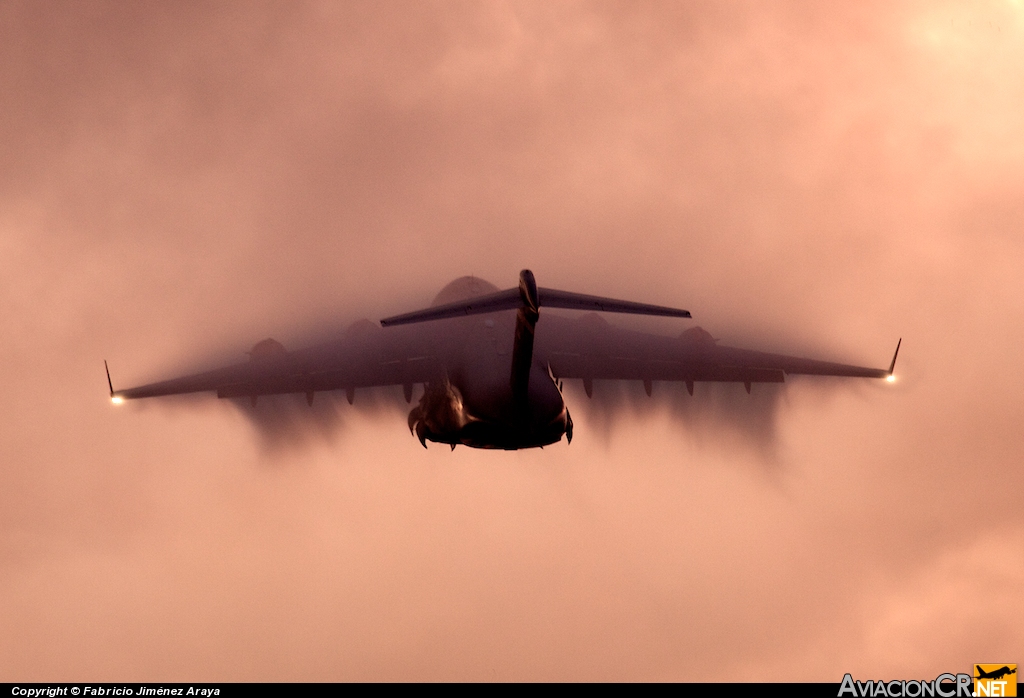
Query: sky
x,y
180,181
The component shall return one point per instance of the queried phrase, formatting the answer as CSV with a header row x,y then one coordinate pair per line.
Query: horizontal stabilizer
x,y
491,303
513,299
552,298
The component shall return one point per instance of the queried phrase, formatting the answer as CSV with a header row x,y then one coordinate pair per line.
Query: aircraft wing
x,y
590,348
365,357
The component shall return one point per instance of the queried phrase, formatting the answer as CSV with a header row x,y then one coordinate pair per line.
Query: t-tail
x,y
522,349
527,300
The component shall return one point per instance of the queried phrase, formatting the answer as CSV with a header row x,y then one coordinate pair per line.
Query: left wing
x,y
590,348
366,356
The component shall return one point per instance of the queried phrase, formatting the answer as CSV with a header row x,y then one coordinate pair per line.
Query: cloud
x,y
181,182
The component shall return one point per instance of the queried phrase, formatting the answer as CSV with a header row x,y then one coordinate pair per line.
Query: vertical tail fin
x,y
522,350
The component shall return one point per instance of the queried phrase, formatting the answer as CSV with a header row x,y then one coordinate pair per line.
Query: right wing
x,y
590,348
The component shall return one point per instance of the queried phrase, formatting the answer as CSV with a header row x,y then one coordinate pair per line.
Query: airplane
x,y
493,372
995,674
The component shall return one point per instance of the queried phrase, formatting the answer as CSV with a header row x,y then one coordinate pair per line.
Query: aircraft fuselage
x,y
473,401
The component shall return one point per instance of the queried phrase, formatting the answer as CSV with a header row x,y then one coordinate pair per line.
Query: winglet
x,y
895,354
114,397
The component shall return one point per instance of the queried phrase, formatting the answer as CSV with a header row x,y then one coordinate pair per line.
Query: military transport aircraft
x,y
492,370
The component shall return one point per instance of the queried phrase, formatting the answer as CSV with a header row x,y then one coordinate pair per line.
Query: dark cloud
x,y
287,422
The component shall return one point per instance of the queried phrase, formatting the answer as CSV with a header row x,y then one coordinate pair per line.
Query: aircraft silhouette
x,y
995,673
492,372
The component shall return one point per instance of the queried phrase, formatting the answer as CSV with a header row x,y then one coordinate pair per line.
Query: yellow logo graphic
x,y
995,680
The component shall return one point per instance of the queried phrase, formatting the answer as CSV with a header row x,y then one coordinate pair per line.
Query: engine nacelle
x,y
698,335
440,416
267,349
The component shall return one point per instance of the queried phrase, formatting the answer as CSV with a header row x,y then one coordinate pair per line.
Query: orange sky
x,y
181,181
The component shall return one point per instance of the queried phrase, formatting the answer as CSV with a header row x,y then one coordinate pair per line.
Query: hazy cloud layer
x,y
180,182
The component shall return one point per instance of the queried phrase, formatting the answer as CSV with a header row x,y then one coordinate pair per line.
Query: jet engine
x,y
440,415
267,349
